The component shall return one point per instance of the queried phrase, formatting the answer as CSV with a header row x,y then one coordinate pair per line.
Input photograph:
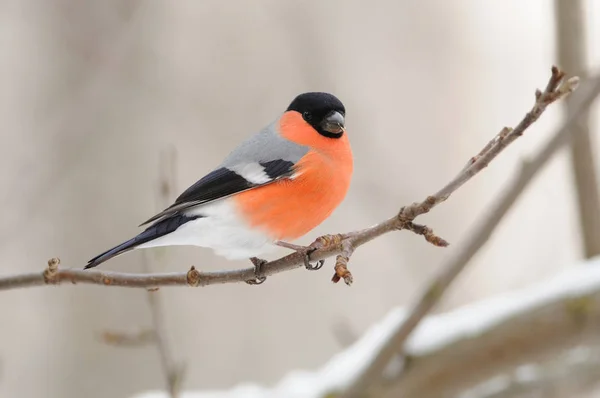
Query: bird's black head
x,y
322,111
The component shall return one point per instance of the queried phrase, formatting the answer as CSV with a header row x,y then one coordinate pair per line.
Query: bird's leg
x,y
259,277
306,252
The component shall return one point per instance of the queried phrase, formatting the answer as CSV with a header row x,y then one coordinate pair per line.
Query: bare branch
x,y
554,91
326,246
481,233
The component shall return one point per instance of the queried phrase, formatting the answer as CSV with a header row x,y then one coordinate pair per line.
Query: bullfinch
x,y
275,187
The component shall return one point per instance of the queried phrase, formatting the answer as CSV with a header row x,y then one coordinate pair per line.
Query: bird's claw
x,y
306,251
317,266
259,277
259,280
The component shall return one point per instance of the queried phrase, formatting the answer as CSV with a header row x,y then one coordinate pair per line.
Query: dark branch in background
x,y
572,47
166,187
157,335
173,371
341,245
370,379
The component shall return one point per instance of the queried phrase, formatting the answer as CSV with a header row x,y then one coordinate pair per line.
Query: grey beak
x,y
333,123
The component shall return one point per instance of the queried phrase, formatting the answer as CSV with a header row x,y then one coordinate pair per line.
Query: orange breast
x,y
290,208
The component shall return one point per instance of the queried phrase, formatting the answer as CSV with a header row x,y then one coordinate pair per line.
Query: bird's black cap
x,y
316,108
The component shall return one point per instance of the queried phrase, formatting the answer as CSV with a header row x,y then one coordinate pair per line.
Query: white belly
x,y
220,229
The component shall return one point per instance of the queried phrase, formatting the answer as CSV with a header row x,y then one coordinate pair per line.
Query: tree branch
x,y
328,245
480,235
571,25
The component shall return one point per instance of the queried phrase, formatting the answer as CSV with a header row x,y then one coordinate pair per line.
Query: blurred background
x,y
94,91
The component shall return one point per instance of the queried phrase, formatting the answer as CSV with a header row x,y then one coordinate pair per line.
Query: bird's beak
x,y
333,123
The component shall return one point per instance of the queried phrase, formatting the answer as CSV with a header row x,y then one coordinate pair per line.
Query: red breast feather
x,y
290,208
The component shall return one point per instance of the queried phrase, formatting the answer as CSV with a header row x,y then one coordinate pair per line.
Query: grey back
x,y
265,146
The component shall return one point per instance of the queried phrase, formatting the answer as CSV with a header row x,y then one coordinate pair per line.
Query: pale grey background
x,y
92,91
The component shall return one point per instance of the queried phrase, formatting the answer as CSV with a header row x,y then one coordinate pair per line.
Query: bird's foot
x,y
259,277
306,251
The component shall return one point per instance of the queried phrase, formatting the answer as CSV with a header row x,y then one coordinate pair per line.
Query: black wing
x,y
224,182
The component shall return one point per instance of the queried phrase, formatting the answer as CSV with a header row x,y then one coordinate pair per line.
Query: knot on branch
x,y
409,213
193,277
51,271
327,241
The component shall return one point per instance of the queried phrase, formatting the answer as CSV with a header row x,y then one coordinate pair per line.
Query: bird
x,y
275,187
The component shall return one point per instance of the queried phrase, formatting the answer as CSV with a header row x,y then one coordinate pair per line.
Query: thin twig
x,y
326,246
476,240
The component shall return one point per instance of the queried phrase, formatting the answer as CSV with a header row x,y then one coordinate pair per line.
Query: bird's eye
x,y
307,116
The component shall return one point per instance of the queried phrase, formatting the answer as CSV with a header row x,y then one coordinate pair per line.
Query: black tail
x,y
115,251
156,230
